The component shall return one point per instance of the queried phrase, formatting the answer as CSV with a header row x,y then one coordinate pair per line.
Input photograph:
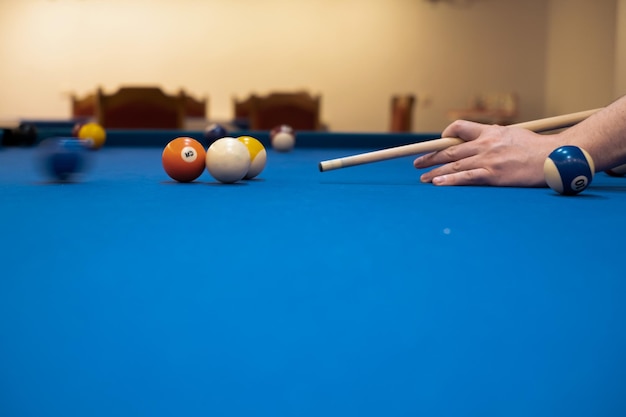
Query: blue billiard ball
x,y
214,132
63,159
568,170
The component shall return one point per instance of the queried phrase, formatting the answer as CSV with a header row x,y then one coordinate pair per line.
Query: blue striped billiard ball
x,y
214,132
568,170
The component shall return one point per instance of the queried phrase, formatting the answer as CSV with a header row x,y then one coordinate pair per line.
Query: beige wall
x,y
581,55
356,53
620,48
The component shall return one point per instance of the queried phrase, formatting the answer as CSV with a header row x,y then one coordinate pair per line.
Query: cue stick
x,y
540,125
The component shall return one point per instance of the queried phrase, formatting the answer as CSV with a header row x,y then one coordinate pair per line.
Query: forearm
x,y
603,135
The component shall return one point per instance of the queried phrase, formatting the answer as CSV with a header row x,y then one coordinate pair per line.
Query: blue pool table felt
x,y
357,292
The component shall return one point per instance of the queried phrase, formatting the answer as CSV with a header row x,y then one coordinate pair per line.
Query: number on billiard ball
x,y
568,170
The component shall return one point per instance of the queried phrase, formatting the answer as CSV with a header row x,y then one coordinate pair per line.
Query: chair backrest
x,y
402,113
194,107
299,110
241,113
83,106
241,108
140,108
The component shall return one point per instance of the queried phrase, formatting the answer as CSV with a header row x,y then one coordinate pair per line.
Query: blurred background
x,y
557,56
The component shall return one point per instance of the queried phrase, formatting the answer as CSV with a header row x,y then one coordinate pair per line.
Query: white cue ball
x,y
227,160
283,141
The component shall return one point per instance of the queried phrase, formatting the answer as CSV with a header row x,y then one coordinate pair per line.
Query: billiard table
x,y
353,292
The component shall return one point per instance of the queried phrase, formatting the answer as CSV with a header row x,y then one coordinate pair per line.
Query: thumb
x,y
463,129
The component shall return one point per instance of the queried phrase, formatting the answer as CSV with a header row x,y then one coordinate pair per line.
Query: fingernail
x,y
439,180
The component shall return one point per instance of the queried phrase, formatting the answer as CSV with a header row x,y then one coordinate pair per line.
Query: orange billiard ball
x,y
184,159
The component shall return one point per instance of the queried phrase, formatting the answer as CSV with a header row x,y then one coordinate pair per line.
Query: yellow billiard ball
x,y
258,155
93,134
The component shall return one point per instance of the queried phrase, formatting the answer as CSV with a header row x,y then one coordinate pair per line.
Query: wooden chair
x,y
241,113
83,107
402,113
299,110
196,108
489,108
140,108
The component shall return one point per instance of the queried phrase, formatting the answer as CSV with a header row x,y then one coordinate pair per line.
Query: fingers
x,y
453,153
468,131
460,172
479,176
488,155
459,164
450,154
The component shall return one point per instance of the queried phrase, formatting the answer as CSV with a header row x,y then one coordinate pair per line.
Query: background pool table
x,y
356,292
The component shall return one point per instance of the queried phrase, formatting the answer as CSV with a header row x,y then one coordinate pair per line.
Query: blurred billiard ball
x,y
283,138
63,159
93,134
214,132
76,129
28,134
23,135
